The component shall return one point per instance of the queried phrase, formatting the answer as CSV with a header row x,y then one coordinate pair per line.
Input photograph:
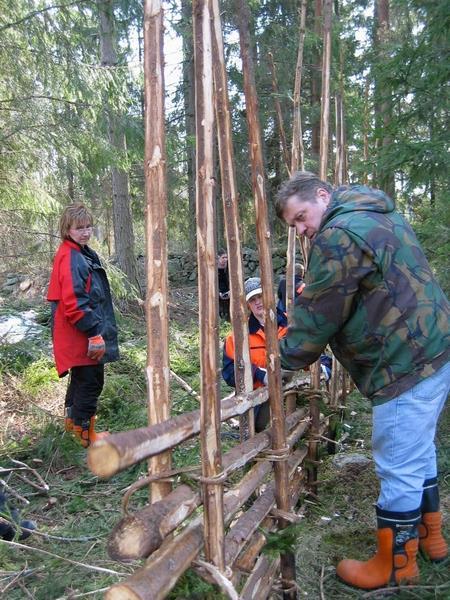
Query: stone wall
x,y
183,267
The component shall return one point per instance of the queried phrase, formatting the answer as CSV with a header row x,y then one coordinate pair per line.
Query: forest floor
x,y
66,557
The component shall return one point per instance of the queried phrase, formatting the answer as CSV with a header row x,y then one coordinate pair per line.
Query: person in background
x,y
371,294
298,286
257,343
224,285
84,330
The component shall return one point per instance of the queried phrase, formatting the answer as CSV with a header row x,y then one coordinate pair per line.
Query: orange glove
x,y
96,347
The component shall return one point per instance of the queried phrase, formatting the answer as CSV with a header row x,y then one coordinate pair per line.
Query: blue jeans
x,y
403,447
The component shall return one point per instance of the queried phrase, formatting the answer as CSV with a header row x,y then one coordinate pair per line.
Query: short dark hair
x,y
221,252
303,184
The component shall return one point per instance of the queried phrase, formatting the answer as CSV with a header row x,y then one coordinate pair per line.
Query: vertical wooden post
x,y
298,154
207,286
157,370
323,162
337,383
279,113
325,103
242,364
297,160
270,320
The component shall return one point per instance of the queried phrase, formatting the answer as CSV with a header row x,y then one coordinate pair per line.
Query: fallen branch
x,y
13,492
49,536
17,576
73,562
322,571
184,385
400,588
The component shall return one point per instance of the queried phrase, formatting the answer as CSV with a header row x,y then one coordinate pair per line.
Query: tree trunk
x,y
315,84
122,218
383,99
189,115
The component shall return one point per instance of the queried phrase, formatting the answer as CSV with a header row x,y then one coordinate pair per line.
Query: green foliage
x,y
432,225
39,376
281,542
15,358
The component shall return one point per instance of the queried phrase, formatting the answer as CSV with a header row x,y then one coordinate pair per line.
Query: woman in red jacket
x,y
84,329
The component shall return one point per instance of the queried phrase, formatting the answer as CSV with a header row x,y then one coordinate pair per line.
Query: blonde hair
x,y
74,215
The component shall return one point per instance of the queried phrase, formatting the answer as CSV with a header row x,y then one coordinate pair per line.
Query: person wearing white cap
x,y
257,342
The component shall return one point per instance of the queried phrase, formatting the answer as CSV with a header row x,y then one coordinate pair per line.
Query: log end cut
x,y
103,459
132,538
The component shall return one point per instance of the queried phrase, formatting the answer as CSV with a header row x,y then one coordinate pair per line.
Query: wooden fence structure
x,y
209,517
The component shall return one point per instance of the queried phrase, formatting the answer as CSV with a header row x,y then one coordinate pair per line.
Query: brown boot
x,y
68,420
395,560
431,541
87,434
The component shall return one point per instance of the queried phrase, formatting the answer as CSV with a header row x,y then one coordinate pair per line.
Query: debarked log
x,y
260,582
248,522
254,544
140,534
118,451
158,576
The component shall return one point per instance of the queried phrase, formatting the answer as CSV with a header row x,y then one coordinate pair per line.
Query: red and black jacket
x,y
81,307
258,354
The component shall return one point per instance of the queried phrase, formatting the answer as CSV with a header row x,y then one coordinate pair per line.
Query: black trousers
x,y
85,386
224,309
262,416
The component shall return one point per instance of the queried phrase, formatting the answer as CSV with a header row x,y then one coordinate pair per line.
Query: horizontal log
x,y
248,522
158,576
260,583
155,581
118,451
246,560
138,535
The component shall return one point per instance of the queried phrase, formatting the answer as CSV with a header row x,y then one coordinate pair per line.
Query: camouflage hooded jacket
x,y
370,294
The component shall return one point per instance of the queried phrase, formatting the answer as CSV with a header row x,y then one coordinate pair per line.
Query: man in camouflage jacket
x,y
370,293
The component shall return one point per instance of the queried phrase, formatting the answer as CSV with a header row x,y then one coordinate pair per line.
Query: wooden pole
x,y
157,370
323,162
298,154
121,450
297,161
207,286
242,364
265,255
325,102
340,177
279,113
